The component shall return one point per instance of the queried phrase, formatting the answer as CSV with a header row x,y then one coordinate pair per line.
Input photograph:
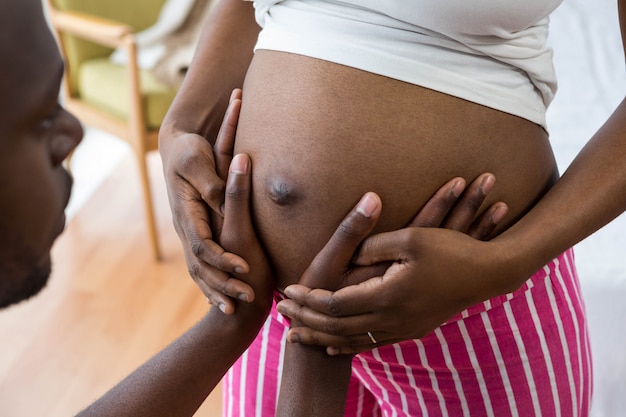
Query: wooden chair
x,y
125,100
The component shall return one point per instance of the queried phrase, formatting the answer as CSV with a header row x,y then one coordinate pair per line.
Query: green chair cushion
x,y
104,85
138,14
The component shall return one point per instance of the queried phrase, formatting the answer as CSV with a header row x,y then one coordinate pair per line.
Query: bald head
x,y
26,44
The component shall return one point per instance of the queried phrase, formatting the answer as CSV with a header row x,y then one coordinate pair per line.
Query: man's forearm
x,y
313,383
178,379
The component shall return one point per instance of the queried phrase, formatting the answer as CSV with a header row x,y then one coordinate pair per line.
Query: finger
x,y
198,239
387,247
348,301
191,221
339,345
464,211
195,176
436,209
218,286
359,274
237,220
331,263
486,223
225,142
205,259
238,234
353,350
217,299
322,323
223,150
308,336
197,236
190,214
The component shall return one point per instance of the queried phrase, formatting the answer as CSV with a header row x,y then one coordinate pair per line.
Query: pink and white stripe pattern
x,y
523,354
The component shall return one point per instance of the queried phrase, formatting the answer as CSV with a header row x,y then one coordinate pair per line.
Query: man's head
x,y
36,135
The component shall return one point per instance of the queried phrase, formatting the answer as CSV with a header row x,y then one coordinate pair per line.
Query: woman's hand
x,y
414,293
195,179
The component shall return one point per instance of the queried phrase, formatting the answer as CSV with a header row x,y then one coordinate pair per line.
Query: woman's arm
x,y
186,137
220,63
589,195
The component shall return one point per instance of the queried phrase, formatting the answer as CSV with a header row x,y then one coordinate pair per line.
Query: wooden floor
x,y
107,308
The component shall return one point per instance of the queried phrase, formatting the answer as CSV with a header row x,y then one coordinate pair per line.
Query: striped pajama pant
x,y
521,354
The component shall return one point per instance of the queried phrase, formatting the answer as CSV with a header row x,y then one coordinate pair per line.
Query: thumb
x,y
332,262
385,247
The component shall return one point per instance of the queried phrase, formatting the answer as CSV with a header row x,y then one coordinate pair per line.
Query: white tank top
x,y
491,52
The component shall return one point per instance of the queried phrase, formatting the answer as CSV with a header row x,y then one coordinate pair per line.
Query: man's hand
x,y
238,236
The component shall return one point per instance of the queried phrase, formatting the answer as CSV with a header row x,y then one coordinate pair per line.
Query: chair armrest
x,y
103,31
109,33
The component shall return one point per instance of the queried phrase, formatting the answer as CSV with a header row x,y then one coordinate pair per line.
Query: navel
x,y
282,192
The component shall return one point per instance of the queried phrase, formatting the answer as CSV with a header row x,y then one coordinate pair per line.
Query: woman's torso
x,y
321,134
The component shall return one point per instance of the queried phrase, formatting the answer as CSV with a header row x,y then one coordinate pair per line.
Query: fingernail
x,y
458,187
498,214
232,96
280,308
293,338
239,164
243,297
487,183
331,351
289,292
222,307
239,270
367,205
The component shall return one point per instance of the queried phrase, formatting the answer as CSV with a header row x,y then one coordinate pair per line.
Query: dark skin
x,y
326,378
437,264
36,136
446,270
441,258
178,379
192,187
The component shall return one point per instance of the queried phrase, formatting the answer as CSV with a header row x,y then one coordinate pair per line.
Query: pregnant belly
x,y
320,135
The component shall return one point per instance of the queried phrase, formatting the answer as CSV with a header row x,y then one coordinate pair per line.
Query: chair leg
x,y
148,205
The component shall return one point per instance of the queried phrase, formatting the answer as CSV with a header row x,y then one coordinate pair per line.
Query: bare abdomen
x,y
320,135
